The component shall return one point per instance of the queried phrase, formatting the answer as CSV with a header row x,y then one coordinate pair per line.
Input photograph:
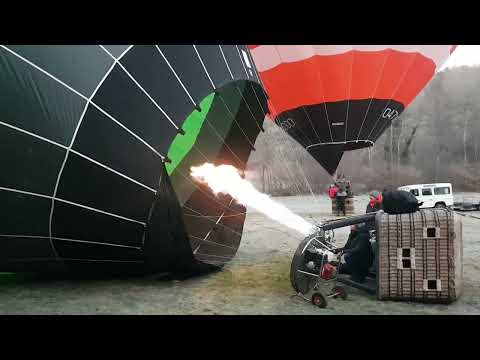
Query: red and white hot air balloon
x,y
335,98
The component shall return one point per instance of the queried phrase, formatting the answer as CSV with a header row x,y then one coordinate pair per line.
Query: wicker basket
x,y
420,256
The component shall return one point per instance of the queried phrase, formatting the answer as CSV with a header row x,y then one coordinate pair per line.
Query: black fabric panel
x,y
376,112
132,108
303,130
22,214
199,226
221,253
12,248
226,242
73,222
231,95
204,203
102,140
250,69
166,243
248,119
213,260
196,225
235,217
252,95
188,67
194,242
234,61
337,113
356,114
80,66
214,244
328,156
86,183
239,145
233,221
34,102
78,250
233,235
316,116
214,63
116,50
258,104
28,163
148,67
297,125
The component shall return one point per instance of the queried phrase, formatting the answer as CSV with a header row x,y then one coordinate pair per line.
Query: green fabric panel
x,y
182,144
208,145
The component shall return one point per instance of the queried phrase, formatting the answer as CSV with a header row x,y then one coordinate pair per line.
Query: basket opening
x,y
432,284
431,232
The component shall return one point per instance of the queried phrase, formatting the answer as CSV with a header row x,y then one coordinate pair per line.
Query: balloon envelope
x,y
96,148
335,98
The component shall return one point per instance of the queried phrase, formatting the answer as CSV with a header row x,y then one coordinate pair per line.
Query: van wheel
x,y
440,205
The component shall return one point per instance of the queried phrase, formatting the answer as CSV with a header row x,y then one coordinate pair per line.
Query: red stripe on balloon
x,y
387,74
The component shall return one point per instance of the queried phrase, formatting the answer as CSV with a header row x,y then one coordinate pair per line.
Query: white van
x,y
432,195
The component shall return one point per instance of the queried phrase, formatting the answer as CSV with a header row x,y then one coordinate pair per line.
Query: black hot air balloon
x,y
96,148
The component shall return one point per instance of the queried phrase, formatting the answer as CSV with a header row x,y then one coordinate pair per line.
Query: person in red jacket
x,y
332,192
374,205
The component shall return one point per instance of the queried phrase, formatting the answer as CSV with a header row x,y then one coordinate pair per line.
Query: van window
x,y
441,190
415,192
426,192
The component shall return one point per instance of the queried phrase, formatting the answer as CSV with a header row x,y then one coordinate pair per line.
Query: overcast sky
x,y
463,55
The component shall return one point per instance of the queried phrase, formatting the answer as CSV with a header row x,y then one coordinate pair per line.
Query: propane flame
x,y
226,179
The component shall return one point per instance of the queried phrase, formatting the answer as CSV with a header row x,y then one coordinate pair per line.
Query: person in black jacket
x,y
357,255
341,197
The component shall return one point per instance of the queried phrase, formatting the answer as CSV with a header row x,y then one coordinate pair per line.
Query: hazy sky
x,y
463,55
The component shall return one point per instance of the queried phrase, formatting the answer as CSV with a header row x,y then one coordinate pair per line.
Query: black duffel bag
x,y
400,202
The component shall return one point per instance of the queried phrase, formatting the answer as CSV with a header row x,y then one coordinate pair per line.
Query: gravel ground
x,y
255,282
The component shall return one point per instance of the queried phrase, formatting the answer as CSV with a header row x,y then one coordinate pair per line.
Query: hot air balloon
x,y
336,98
96,148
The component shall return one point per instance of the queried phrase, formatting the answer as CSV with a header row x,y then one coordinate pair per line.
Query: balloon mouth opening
x,y
341,146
